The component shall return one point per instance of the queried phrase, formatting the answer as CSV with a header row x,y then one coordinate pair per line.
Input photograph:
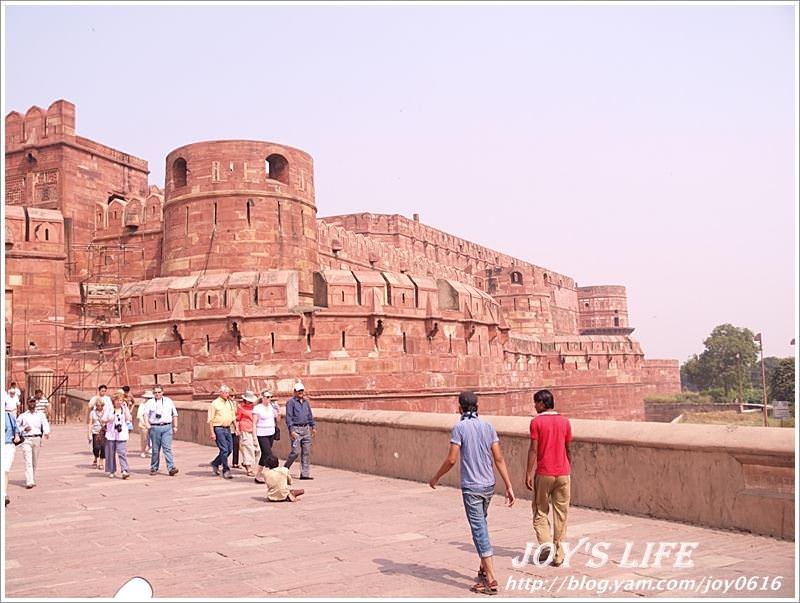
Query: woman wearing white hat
x,y
244,425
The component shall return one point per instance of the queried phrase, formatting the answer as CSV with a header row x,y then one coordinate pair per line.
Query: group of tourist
x,y
247,429
255,421
253,424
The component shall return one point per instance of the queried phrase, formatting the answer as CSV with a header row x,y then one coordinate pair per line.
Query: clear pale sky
x,y
648,146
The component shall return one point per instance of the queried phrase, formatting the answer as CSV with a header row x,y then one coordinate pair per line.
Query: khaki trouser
x,y
547,488
30,450
248,448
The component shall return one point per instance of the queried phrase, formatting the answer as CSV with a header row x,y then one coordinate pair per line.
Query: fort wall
x,y
227,275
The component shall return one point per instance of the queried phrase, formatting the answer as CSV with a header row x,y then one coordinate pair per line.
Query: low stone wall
x,y
710,475
664,412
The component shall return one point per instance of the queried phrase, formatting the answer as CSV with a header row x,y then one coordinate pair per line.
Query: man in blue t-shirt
x,y
479,446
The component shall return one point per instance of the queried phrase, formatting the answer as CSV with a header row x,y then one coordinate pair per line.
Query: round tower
x,y
234,205
603,310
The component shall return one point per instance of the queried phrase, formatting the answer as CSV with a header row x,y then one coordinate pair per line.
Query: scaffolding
x,y
107,267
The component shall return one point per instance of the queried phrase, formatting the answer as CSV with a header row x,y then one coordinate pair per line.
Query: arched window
x,y
277,168
516,278
179,171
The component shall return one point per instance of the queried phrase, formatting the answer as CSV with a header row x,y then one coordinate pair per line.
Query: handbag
x,y
18,438
277,435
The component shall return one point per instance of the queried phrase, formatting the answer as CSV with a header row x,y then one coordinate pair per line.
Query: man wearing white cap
x,y
301,427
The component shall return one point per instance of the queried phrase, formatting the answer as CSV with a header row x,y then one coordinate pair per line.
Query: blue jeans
x,y
224,441
161,439
476,504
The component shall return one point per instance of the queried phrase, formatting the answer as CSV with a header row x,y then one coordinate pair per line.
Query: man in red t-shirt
x,y
549,454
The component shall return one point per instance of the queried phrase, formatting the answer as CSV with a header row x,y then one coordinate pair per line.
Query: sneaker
x,y
173,471
153,471
259,481
544,554
29,486
112,475
215,468
143,455
306,477
125,475
227,475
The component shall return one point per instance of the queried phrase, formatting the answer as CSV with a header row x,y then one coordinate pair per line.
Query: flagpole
x,y
763,377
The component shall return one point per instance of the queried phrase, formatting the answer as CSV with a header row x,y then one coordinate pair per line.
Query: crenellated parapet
x,y
442,247
127,215
39,125
342,249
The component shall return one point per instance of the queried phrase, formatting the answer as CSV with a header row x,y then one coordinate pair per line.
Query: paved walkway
x,y
81,534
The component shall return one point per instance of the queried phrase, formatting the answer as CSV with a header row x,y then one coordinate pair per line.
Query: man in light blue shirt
x,y
479,447
162,419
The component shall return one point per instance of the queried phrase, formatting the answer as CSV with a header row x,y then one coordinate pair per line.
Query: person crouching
x,y
278,481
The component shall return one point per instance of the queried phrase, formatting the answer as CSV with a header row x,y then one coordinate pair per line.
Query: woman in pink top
x,y
116,418
244,425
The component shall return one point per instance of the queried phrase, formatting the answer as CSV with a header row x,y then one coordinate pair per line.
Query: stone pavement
x,y
80,534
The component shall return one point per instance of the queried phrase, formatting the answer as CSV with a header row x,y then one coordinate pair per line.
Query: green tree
x,y
725,363
770,364
781,383
691,378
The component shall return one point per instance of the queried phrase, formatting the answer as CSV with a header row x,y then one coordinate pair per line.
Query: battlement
x,y
38,125
120,215
342,249
439,246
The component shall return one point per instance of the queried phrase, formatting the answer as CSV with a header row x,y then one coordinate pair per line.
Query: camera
x,y
118,426
158,416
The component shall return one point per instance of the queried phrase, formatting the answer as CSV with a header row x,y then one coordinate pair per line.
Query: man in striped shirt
x,y
42,403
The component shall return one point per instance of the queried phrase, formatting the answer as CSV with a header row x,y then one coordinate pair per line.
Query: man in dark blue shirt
x,y
301,427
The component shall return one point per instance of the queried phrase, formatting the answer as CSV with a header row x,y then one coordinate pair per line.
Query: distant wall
x,y
710,475
664,412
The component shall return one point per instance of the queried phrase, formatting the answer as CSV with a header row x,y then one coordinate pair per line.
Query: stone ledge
x,y
711,475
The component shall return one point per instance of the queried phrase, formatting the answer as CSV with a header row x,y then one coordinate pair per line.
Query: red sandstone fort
x,y
227,275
